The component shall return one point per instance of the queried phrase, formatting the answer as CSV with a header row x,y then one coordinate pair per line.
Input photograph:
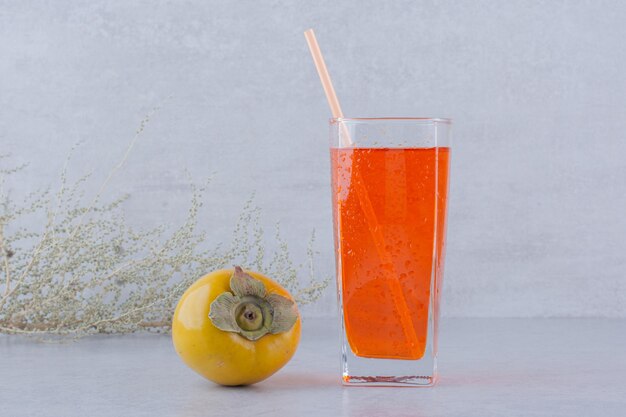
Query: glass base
x,y
414,381
358,371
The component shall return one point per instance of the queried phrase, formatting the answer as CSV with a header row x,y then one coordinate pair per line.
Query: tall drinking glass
x,y
390,186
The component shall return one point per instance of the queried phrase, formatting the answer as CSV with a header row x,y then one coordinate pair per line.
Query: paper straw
x,y
364,201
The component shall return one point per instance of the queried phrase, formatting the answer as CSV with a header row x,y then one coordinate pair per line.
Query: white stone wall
x,y
536,89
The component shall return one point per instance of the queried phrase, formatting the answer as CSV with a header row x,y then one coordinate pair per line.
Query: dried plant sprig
x,y
87,271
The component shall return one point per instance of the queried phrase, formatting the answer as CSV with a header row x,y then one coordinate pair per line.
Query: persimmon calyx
x,y
250,311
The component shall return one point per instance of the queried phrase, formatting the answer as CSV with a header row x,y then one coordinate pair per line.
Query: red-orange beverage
x,y
389,208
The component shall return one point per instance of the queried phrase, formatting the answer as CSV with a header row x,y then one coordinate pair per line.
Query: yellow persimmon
x,y
235,327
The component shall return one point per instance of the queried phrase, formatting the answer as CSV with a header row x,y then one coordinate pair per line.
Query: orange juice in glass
x,y
390,185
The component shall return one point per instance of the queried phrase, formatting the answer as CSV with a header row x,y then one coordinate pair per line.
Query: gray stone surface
x,y
489,367
536,90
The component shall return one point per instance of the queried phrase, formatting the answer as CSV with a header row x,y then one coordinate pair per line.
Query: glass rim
x,y
423,120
